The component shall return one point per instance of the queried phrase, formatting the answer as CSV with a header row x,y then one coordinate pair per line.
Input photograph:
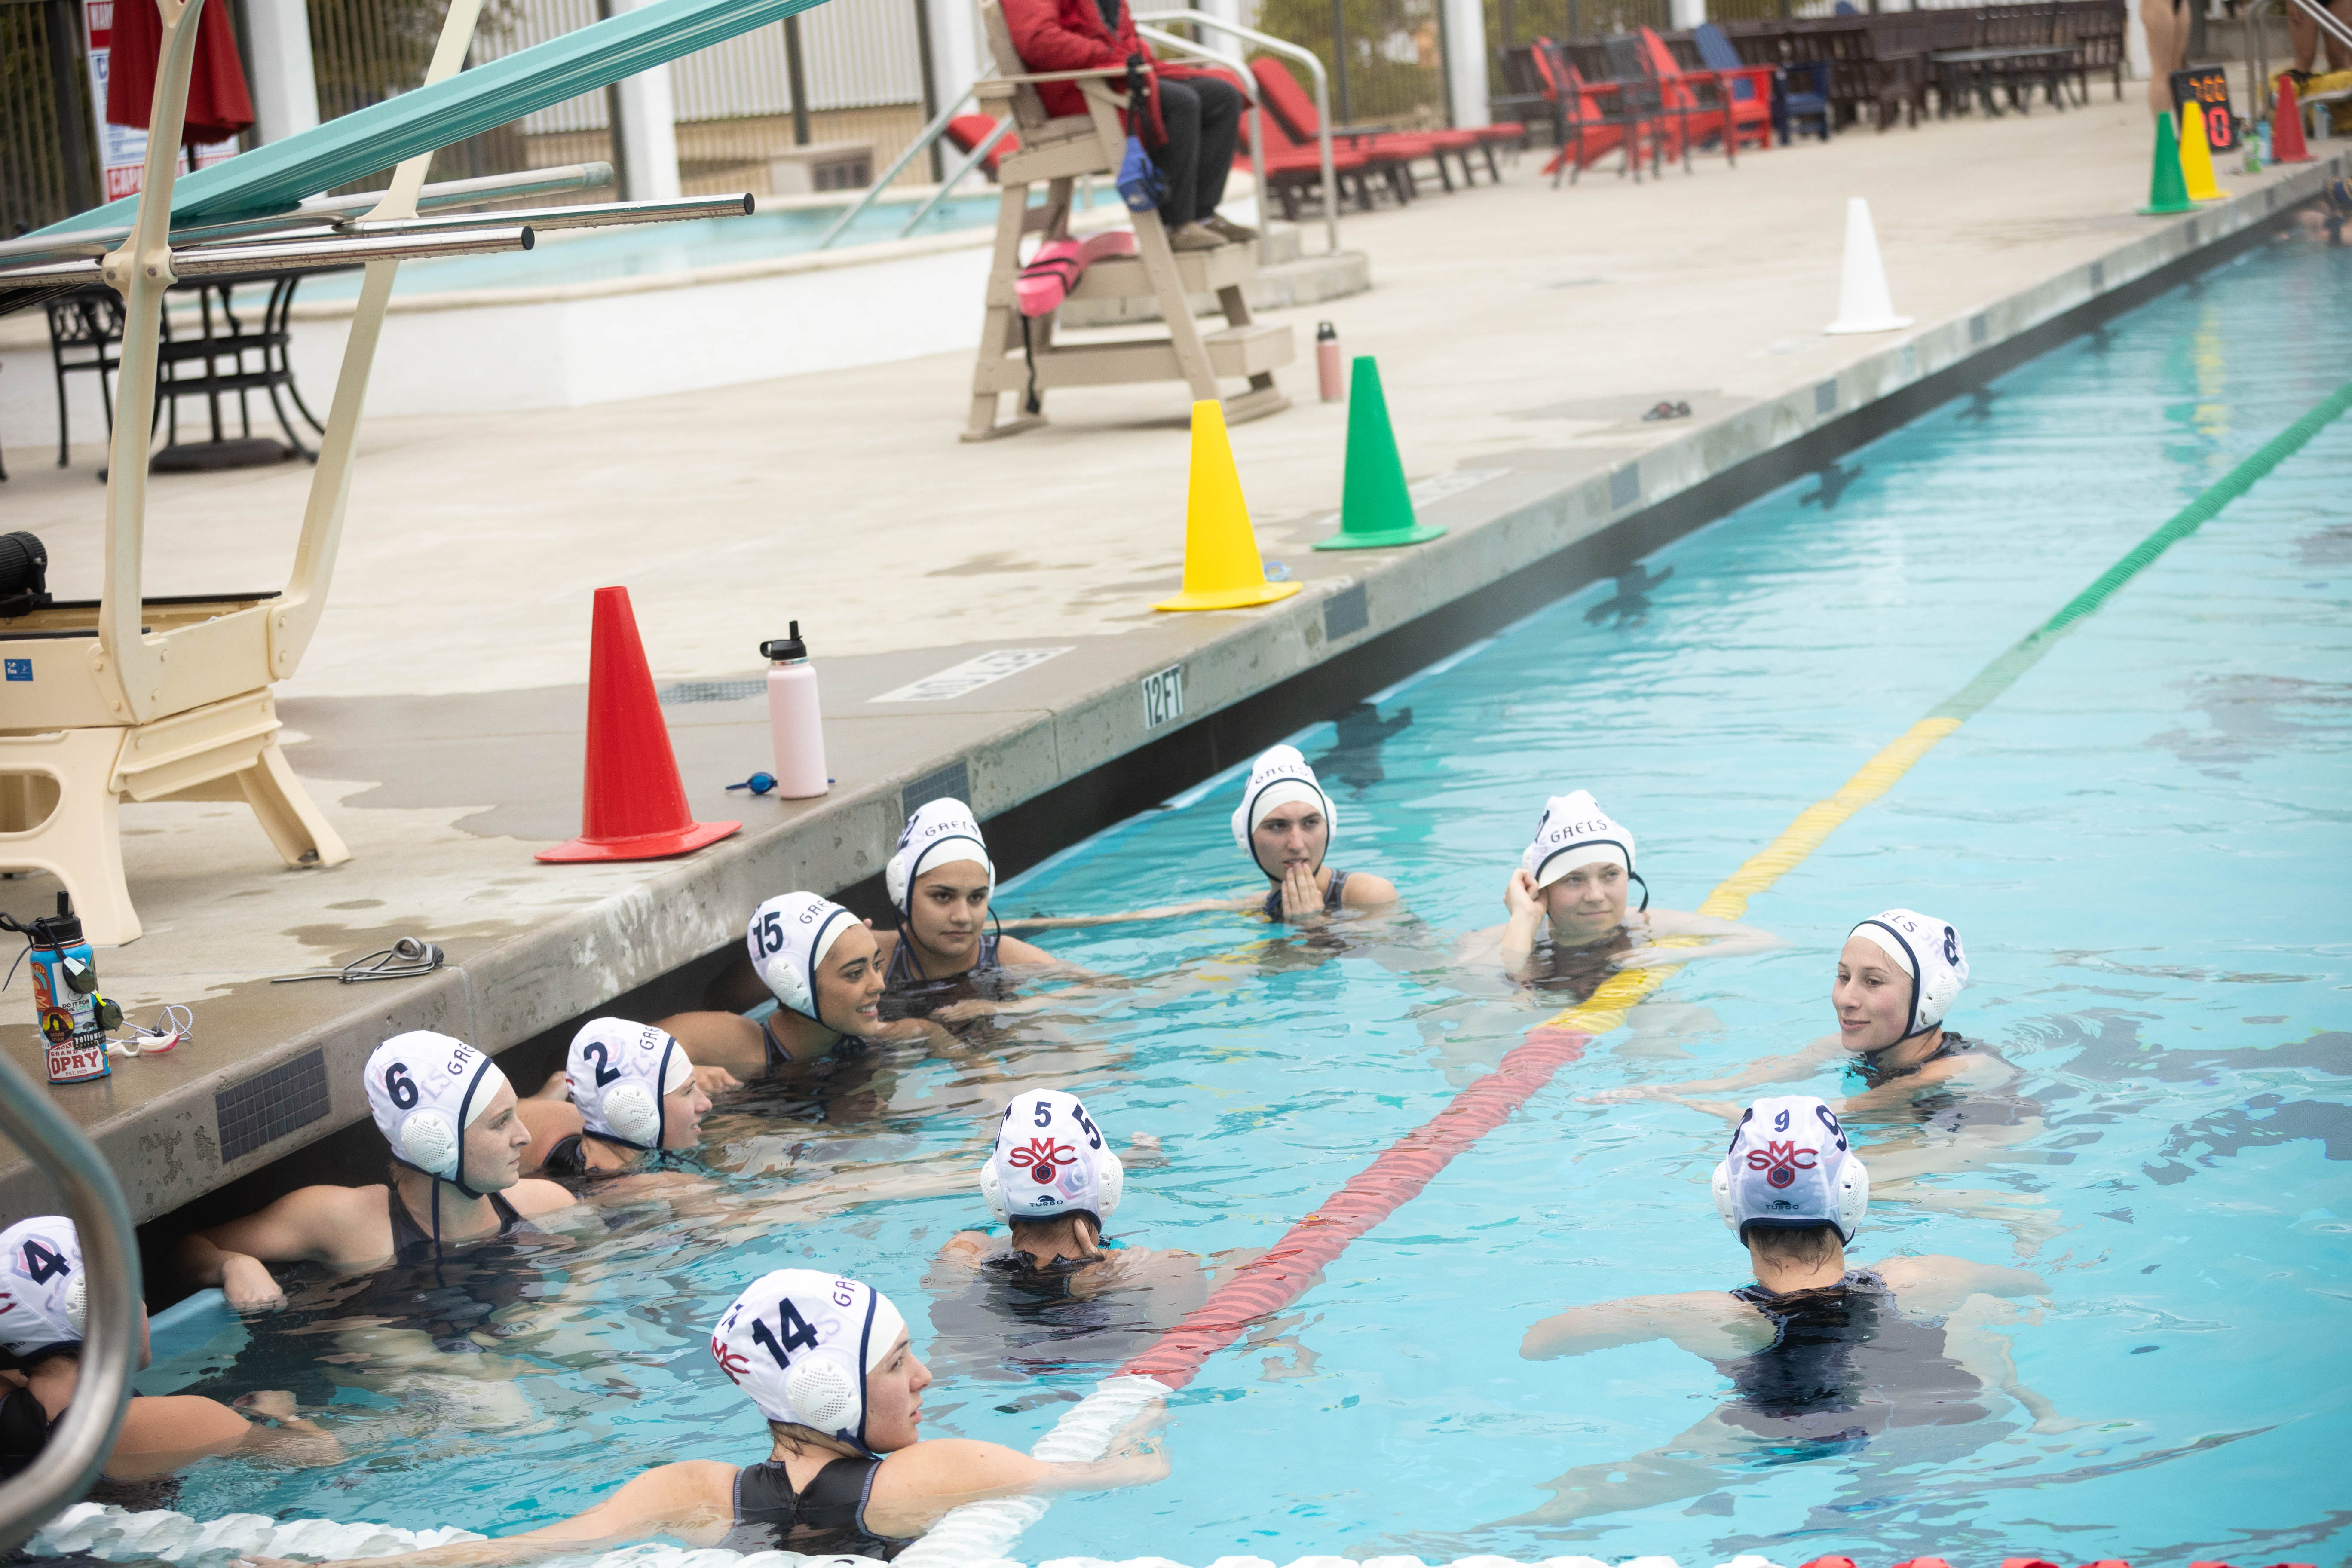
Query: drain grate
x,y
267,1105
687,692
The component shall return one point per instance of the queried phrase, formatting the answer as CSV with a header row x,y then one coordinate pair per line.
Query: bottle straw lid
x,y
786,647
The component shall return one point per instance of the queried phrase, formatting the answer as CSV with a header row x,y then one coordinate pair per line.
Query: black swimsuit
x,y
910,994
1331,905
411,1243
1843,1365
828,1519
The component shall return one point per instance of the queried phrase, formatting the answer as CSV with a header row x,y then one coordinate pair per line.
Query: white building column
x,y
1465,62
955,47
284,87
648,129
1682,13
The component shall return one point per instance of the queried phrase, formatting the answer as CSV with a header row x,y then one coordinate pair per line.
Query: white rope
x,y
983,1533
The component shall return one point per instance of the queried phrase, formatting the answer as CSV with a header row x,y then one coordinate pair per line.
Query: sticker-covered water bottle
x,y
74,1017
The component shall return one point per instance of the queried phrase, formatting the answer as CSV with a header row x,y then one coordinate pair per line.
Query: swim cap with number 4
x,y
800,1342
43,1298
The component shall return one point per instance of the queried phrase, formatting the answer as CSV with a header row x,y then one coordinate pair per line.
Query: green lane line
x,y
1998,676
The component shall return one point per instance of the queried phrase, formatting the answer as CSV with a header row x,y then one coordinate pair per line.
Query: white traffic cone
x,y
1863,303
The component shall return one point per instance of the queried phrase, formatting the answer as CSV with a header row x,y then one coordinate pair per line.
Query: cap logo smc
x,y
1041,1156
1781,1162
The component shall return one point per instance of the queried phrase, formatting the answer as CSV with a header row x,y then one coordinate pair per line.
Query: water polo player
x,y
637,1097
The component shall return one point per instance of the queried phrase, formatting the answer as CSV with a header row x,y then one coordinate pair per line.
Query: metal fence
x,y
1386,57
1511,22
858,62
47,167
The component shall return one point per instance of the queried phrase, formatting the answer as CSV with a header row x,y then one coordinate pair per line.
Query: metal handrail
x,y
79,1446
955,176
921,144
1240,68
1322,105
2327,24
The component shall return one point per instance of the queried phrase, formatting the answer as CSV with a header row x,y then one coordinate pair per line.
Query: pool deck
x,y
438,717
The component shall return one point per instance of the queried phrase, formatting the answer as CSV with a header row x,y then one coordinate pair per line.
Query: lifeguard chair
x,y
1057,150
133,698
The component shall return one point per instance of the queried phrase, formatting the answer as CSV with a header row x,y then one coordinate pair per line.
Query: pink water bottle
x,y
1328,372
794,717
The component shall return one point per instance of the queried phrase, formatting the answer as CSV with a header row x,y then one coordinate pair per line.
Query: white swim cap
x,y
800,1342
940,832
1574,831
1790,1169
425,1090
620,1074
1051,1159
788,936
1928,950
1280,777
44,1299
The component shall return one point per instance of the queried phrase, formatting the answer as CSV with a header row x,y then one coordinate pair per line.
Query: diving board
x,y
141,699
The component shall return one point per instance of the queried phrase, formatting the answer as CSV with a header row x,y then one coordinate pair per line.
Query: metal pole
x,y
797,70
84,1435
1339,65
64,26
930,83
613,118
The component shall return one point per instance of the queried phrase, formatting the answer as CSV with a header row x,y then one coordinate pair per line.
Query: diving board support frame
x,y
174,700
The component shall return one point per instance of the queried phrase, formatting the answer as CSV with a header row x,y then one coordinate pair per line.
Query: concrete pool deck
x,y
438,716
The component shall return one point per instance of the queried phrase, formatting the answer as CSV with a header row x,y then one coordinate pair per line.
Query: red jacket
x,y
1069,35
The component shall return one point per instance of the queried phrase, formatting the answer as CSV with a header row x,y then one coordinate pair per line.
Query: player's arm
x,y
322,1224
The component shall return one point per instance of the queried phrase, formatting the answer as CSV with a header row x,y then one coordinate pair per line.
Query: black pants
x,y
1203,117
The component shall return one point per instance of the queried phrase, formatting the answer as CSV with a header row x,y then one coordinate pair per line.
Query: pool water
x,y
2142,843
594,256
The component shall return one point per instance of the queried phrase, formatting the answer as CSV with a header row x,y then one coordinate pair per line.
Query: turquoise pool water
x,y
581,255
2142,842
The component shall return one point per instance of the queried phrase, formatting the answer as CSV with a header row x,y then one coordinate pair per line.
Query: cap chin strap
x,y
1636,877
1913,959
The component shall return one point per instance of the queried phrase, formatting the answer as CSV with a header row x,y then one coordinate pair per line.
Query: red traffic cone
x,y
2287,126
635,804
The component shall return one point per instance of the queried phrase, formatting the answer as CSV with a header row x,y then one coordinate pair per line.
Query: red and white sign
x,y
122,149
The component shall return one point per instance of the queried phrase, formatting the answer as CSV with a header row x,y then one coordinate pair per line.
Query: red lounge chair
x,y
1702,98
1288,169
1748,88
1593,120
1286,101
969,130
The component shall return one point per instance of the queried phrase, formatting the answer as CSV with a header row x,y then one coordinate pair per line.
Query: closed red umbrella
x,y
219,106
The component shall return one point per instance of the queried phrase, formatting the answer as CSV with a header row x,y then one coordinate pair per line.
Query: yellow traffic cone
x,y
1222,570
2197,157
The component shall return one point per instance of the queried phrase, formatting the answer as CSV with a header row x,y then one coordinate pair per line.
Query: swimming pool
x,y
2135,840
594,256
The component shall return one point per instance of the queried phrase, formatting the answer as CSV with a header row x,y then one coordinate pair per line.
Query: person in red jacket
x,y
1194,121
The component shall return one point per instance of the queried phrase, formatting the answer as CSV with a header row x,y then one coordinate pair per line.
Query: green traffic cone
x,y
2168,189
1375,510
